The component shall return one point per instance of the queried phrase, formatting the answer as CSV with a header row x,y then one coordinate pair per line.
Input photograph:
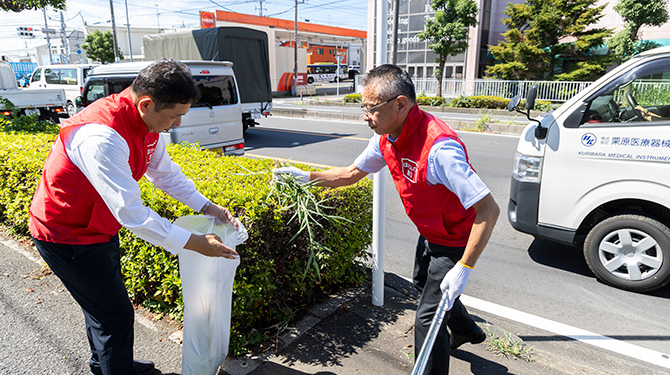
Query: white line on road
x,y
587,337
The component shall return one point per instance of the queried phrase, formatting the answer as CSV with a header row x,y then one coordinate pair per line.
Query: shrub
x,y
353,98
271,286
495,102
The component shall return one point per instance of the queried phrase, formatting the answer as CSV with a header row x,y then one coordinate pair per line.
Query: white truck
x,y
47,103
594,173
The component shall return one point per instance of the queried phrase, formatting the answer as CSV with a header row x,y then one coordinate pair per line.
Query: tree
x,y
637,13
448,31
547,25
20,5
523,60
100,46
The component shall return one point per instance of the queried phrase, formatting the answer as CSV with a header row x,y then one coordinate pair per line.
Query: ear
x,y
144,104
404,105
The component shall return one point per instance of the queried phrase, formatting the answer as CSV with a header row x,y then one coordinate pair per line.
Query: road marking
x,y
578,334
312,133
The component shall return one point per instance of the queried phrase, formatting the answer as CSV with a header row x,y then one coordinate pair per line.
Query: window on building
x,y
319,51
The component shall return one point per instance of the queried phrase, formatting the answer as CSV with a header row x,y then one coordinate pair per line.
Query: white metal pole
x,y
379,178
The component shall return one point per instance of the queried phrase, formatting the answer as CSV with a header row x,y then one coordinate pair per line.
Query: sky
x,y
173,14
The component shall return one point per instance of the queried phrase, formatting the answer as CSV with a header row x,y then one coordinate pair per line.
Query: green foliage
x,y
353,98
434,101
22,122
21,5
494,102
448,31
537,46
636,13
99,46
271,286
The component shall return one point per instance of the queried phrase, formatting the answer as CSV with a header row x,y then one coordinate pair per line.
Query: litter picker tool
x,y
429,341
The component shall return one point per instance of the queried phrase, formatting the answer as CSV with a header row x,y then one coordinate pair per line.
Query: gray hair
x,y
390,81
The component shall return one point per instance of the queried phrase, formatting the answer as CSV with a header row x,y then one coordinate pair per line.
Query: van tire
x,y
649,264
70,109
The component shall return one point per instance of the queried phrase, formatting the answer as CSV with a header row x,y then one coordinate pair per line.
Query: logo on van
x,y
589,139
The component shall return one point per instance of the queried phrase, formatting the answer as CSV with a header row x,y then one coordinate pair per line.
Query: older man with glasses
x,y
451,207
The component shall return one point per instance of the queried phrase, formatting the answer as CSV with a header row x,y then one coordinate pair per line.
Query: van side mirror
x,y
530,100
79,101
514,103
540,132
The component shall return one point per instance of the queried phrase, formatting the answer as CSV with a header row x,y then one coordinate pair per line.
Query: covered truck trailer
x,y
246,48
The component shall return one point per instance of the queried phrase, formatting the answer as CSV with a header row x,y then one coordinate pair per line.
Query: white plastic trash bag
x,y
207,286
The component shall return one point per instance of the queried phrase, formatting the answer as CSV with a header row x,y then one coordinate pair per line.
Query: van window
x,y
215,90
639,96
37,75
61,76
95,91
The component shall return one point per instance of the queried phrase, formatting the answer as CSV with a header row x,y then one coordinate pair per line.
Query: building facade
x,y
414,55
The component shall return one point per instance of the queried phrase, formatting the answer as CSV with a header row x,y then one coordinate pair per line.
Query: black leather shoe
x,y
475,337
141,368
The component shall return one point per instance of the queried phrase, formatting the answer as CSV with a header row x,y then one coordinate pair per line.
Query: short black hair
x,y
167,82
390,81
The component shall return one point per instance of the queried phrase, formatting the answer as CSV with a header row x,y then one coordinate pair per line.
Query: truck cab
x,y
594,173
214,122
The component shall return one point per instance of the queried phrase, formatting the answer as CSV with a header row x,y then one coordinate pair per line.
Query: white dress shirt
x,y
102,155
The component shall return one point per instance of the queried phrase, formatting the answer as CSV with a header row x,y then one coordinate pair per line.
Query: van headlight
x,y
527,168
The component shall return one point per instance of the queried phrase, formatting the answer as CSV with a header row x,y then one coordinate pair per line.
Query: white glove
x,y
454,282
300,175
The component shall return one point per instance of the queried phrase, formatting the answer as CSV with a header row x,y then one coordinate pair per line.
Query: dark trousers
x,y
92,275
432,262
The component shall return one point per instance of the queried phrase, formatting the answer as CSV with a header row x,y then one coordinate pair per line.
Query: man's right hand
x,y
210,245
299,175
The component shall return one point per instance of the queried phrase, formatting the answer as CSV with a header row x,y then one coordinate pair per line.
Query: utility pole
x,y
66,49
116,45
295,52
260,10
46,31
158,20
130,45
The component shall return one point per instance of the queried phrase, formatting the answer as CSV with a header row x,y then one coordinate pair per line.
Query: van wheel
x,y
70,109
310,80
630,252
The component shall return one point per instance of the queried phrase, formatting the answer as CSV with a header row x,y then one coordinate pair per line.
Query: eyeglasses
x,y
368,111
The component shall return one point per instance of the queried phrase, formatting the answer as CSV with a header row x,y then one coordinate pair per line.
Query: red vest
x,y
66,208
437,212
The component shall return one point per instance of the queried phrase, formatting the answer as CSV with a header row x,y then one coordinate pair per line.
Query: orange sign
x,y
207,20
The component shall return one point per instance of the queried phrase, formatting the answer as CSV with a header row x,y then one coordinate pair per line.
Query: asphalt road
x,y
516,271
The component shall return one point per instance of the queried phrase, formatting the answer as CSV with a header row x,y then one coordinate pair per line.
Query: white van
x,y
69,77
215,121
596,173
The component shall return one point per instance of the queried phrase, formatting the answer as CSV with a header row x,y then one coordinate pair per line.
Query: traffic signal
x,y
25,32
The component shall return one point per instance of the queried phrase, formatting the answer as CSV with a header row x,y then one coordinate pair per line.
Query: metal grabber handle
x,y
429,341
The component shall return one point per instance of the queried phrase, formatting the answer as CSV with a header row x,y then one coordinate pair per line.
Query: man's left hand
x,y
454,282
221,213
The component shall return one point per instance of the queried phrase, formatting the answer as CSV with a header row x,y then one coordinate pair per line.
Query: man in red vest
x,y
89,189
451,207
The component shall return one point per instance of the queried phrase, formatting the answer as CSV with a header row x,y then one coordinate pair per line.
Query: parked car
x,y
215,121
354,70
594,173
69,77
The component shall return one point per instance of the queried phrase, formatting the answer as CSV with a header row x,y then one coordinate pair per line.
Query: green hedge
x,y
494,102
269,289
